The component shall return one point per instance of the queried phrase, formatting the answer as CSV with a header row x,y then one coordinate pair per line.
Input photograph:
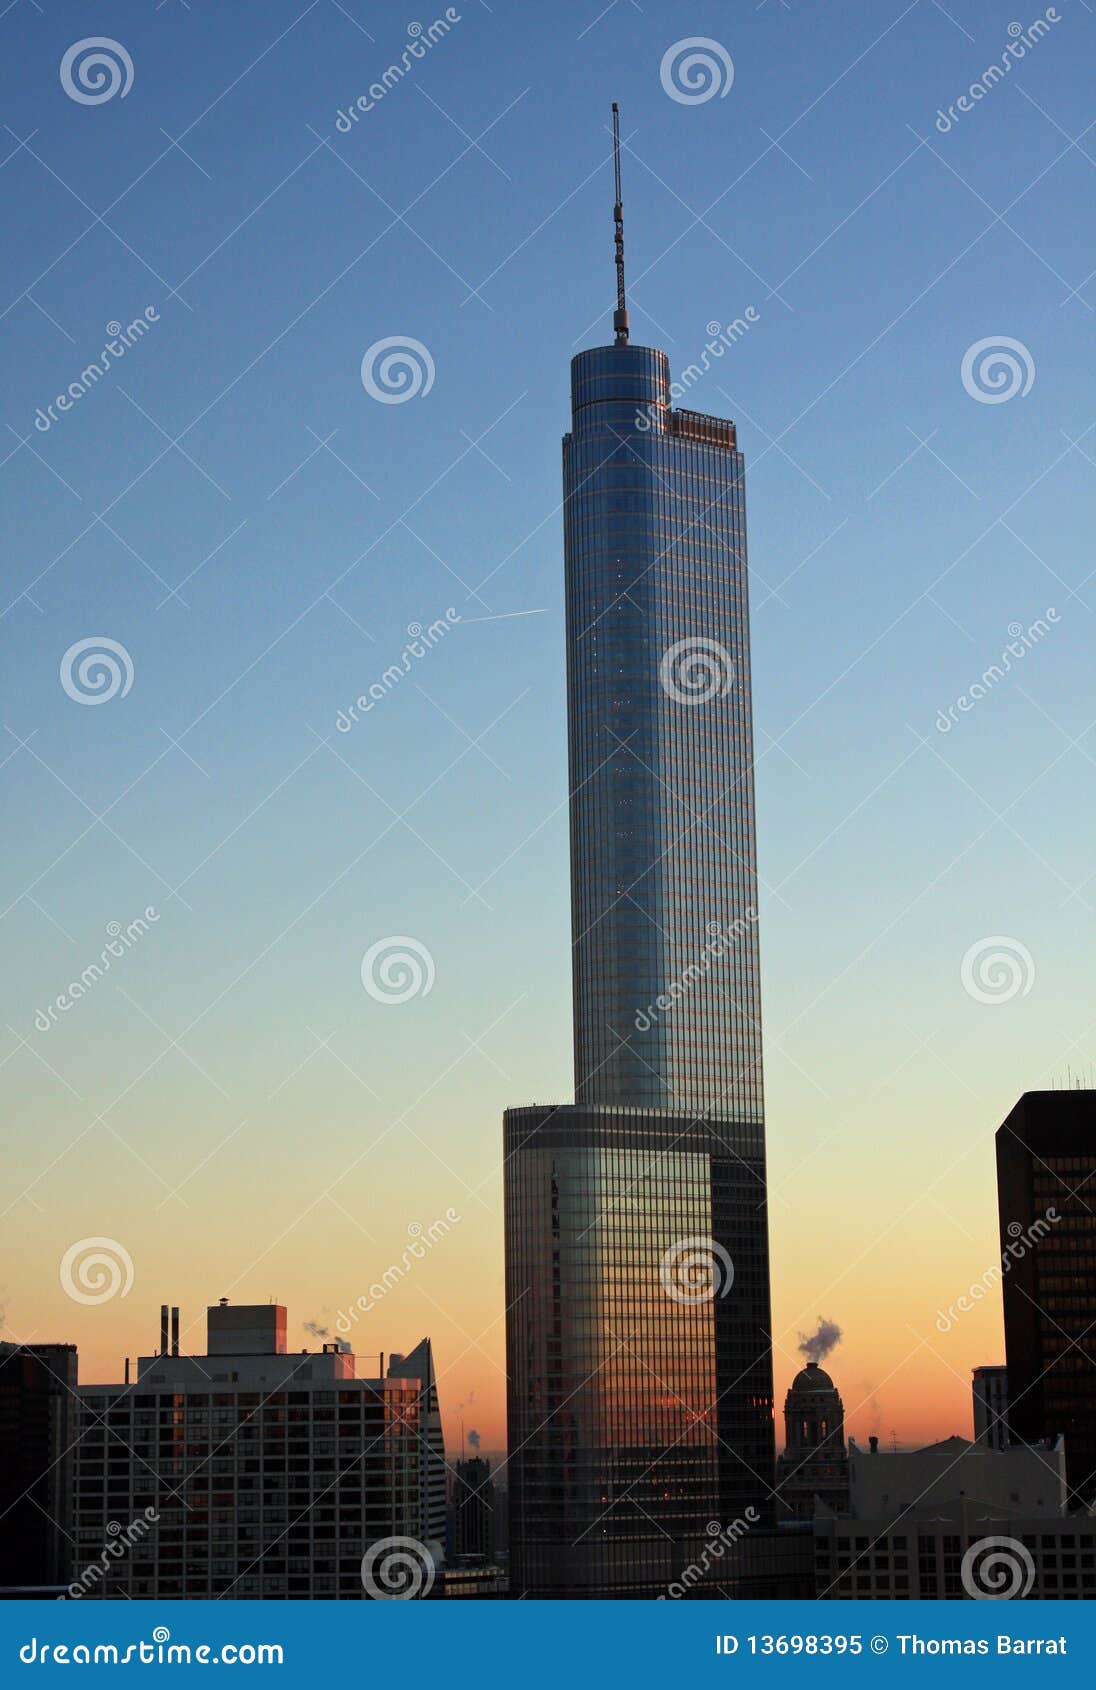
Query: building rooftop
x,y
812,1378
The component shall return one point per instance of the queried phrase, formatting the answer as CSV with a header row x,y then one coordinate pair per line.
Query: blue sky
x,y
230,505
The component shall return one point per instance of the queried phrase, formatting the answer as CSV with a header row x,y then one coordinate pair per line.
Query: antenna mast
x,y
620,315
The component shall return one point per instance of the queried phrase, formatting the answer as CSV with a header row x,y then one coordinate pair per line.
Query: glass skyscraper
x,y
639,1359
663,876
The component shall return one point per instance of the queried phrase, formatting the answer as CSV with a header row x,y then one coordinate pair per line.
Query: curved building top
x,y
629,387
811,1378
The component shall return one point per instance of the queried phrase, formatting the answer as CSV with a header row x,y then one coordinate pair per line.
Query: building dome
x,y
814,1465
812,1378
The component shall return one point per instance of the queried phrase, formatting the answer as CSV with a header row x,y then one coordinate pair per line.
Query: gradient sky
x,y
231,506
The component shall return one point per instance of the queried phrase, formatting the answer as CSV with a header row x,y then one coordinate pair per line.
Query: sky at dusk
x,y
246,506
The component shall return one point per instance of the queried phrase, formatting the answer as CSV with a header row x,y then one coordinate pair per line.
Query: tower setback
x,y
639,1350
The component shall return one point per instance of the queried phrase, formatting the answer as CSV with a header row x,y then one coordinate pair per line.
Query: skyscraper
x,y
473,1512
640,1376
1046,1193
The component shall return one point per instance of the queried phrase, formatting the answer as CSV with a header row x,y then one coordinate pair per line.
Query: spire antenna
x,y
620,315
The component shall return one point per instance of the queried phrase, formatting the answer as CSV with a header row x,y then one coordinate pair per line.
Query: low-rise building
x,y
956,1520
249,1471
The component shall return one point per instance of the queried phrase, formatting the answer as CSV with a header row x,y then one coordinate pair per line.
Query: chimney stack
x,y
175,1331
873,1446
163,1329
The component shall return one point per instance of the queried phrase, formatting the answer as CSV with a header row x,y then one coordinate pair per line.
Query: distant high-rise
x,y
989,1390
640,1376
1046,1192
473,1512
419,1364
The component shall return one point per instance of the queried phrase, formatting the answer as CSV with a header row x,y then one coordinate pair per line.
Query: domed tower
x,y
815,1462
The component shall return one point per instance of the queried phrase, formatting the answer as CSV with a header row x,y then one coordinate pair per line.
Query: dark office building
x,y
37,1393
640,1377
473,1513
989,1393
1046,1191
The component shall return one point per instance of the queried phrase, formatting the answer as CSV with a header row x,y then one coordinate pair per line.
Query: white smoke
x,y
817,1345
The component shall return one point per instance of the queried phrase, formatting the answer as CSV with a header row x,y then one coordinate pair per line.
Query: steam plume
x,y
817,1346
318,1330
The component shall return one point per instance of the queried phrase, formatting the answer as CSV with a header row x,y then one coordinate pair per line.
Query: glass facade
x,y
640,1404
640,1401
664,882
